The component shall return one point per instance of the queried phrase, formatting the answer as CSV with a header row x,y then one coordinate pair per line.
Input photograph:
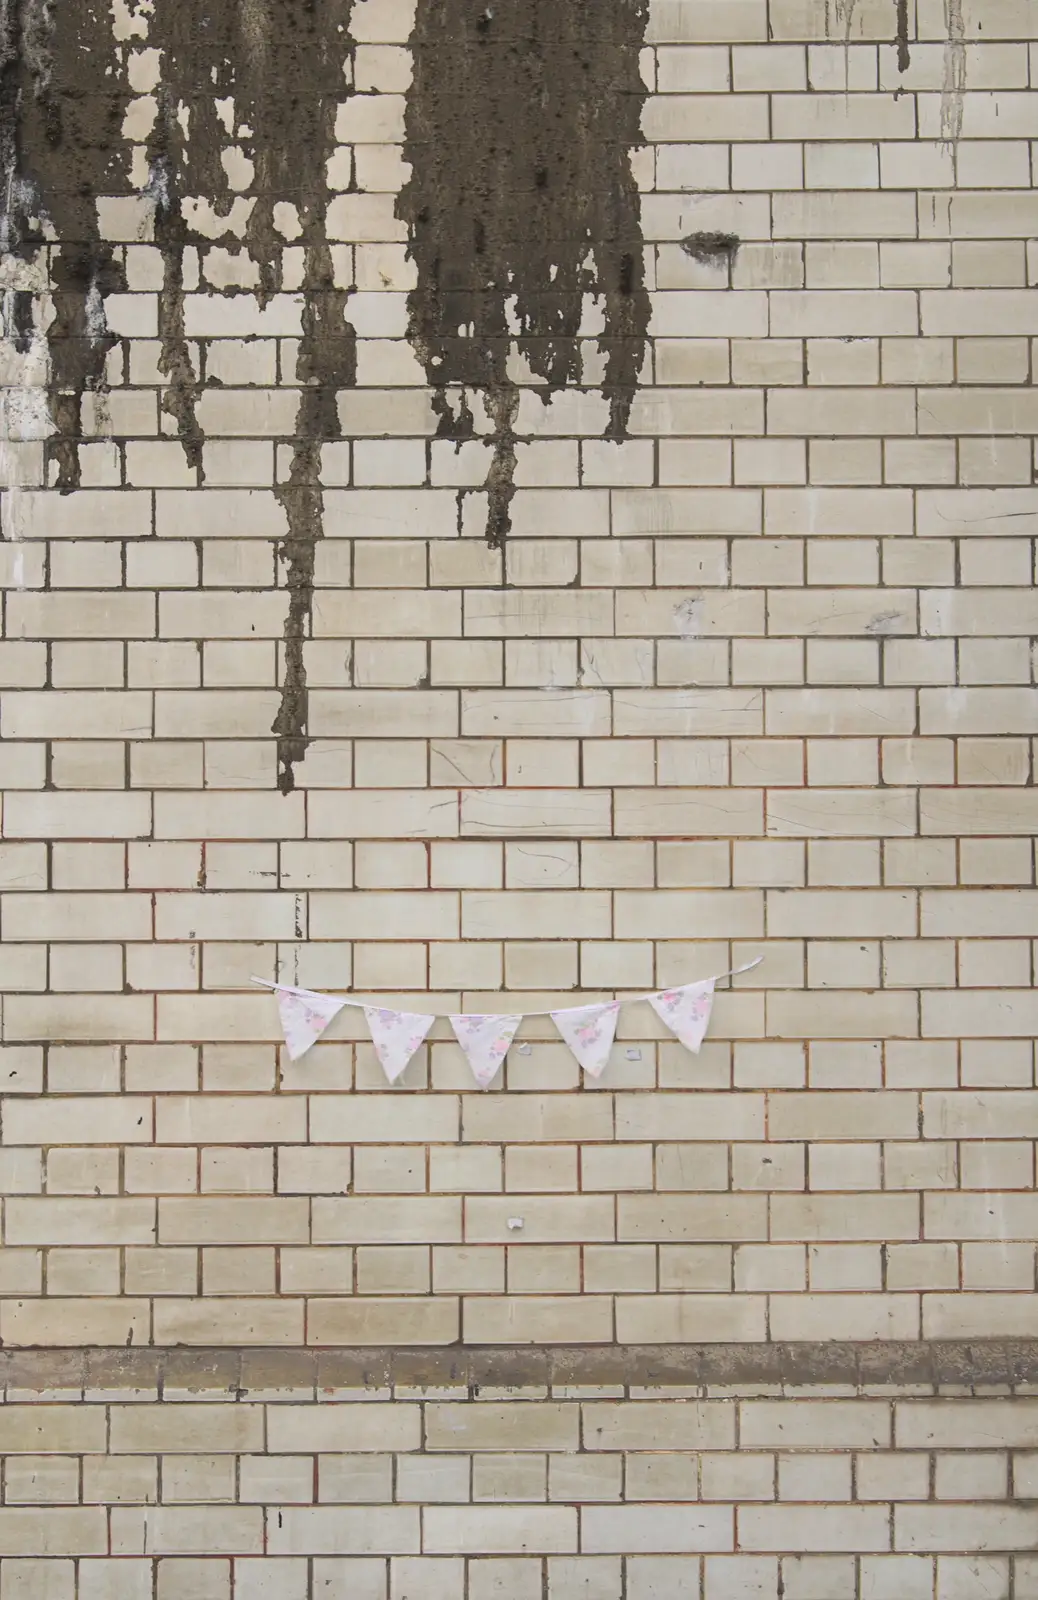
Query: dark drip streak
x,y
282,63
327,361
180,396
904,58
197,45
519,128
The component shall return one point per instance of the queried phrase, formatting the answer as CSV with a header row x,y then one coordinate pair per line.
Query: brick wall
x,y
326,661
290,1483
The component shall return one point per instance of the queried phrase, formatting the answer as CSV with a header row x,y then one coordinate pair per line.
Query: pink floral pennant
x,y
396,1036
589,1031
304,1017
686,1011
485,1041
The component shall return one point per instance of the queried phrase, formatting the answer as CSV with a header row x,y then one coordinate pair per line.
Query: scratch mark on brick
x,y
522,202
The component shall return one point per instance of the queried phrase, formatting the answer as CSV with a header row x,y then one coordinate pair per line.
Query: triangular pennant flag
x,y
396,1036
485,1041
304,1017
589,1031
686,1011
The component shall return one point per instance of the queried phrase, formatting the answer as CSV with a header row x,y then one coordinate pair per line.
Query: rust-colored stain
x,y
62,101
520,124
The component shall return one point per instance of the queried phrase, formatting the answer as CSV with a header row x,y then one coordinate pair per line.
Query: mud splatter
x,y
519,128
249,90
62,101
712,249
904,55
953,87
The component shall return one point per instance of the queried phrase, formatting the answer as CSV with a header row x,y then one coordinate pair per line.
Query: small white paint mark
x,y
688,615
94,312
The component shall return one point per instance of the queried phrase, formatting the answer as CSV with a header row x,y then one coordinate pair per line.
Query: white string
x,y
632,1000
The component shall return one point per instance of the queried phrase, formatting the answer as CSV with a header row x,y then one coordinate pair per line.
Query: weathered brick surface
x,y
717,1492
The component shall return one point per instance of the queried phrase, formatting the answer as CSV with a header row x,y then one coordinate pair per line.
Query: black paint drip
x,y
62,102
904,58
520,124
283,64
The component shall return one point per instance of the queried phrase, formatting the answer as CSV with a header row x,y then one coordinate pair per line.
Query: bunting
x,y
686,1011
396,1036
589,1031
485,1041
304,1017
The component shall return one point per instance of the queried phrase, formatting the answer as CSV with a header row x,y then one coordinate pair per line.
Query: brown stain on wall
x,y
62,101
283,62
63,97
520,123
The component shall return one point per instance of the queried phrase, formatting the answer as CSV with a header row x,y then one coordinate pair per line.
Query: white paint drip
x,y
25,417
94,311
954,86
687,616
845,10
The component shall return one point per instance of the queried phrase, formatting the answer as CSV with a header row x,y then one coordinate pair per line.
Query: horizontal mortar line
x,y
238,1371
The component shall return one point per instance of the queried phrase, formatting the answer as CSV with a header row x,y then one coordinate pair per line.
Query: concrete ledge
x,y
1001,1363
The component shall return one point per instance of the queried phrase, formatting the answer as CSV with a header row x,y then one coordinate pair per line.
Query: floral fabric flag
x,y
589,1031
686,1011
396,1036
485,1041
304,1017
